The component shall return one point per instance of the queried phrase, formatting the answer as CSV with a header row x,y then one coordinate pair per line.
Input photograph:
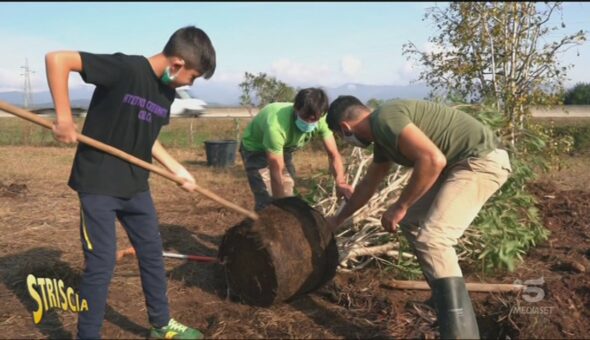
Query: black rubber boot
x,y
456,318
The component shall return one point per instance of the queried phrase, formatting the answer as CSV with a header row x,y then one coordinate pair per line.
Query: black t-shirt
x,y
127,110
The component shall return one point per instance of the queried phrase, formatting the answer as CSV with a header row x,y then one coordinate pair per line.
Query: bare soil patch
x,y
40,236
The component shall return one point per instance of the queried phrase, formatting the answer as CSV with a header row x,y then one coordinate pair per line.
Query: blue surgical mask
x,y
305,126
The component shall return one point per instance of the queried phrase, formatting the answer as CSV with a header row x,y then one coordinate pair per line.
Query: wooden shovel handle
x,y
27,115
472,287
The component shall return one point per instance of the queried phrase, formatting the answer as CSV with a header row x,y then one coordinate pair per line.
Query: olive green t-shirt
x,y
457,134
273,129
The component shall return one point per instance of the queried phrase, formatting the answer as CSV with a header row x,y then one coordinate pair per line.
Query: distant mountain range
x,y
216,94
79,97
366,92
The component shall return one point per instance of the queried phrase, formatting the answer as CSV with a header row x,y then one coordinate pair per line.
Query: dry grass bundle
x,y
362,240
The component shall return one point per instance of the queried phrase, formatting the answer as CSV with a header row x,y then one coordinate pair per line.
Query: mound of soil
x,y
352,305
558,306
563,261
13,190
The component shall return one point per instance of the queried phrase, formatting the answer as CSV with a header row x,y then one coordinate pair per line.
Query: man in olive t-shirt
x,y
456,168
275,133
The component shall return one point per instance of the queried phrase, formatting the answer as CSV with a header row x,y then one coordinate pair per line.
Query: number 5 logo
x,y
538,292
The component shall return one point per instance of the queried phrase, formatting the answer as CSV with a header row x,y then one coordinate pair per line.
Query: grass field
x,y
185,132
180,133
190,133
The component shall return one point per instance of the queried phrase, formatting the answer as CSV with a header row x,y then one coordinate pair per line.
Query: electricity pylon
x,y
28,95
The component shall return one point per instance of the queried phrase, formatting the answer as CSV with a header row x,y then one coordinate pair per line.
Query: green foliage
x,y
578,95
320,179
262,89
578,136
509,223
502,55
374,103
502,52
406,268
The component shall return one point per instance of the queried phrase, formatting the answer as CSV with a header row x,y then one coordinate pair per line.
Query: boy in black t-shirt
x,y
130,104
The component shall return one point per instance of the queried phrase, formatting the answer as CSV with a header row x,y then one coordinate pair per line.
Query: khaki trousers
x,y
258,173
434,223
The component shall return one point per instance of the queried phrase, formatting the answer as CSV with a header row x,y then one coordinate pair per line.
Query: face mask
x,y
352,139
305,126
167,77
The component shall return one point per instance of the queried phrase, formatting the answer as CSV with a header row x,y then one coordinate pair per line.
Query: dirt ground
x,y
40,236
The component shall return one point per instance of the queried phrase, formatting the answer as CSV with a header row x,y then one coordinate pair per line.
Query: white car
x,y
186,104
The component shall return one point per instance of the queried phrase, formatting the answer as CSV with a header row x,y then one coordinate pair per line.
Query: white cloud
x,y
231,77
11,79
295,73
350,66
15,48
407,72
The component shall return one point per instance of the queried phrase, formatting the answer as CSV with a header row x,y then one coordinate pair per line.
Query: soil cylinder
x,y
288,252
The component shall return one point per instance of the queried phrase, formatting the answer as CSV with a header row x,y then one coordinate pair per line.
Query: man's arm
x,y
162,156
276,165
362,193
337,167
428,161
58,66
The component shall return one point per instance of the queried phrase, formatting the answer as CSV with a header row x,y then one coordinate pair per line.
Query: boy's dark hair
x,y
311,103
343,108
194,46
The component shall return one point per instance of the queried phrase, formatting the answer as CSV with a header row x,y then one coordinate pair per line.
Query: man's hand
x,y
344,189
65,131
189,184
392,216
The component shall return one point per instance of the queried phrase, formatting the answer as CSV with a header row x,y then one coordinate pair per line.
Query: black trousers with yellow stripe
x,y
99,243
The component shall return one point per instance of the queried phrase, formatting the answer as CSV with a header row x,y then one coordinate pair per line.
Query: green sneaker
x,y
175,330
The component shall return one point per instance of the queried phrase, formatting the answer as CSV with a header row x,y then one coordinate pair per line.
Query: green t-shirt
x,y
457,134
273,129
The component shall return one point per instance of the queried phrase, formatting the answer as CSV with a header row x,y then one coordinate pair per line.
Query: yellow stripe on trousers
x,y
84,231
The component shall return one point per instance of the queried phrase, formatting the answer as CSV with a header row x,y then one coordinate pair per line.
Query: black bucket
x,y
221,153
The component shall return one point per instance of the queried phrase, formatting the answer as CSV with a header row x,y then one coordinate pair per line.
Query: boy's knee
x,y
103,265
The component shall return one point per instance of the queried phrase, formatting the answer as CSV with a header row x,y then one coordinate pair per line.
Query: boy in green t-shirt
x,y
275,133
457,167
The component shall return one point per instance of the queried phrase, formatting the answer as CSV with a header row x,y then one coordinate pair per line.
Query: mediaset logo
x,y
532,294
53,294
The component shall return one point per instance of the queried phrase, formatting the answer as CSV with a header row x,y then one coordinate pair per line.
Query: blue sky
x,y
309,43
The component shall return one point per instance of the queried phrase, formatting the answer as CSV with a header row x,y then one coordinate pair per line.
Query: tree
x,y
578,95
262,89
374,102
499,52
